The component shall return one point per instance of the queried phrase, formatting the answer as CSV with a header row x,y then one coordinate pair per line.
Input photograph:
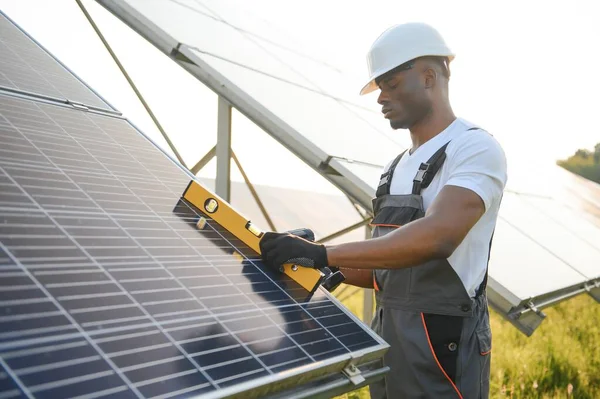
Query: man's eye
x,y
387,85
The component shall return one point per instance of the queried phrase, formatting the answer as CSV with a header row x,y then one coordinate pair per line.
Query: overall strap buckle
x,y
419,177
421,172
428,170
385,182
424,176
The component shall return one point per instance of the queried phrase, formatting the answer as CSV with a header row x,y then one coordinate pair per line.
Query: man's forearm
x,y
407,246
447,221
358,277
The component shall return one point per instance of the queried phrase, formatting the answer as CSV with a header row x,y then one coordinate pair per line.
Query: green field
x,y
560,360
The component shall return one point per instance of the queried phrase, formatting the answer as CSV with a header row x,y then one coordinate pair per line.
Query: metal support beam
x,y
133,86
368,293
257,199
345,230
263,210
360,210
223,151
205,159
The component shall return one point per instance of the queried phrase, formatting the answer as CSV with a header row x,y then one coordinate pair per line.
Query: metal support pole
x,y
368,293
133,86
223,181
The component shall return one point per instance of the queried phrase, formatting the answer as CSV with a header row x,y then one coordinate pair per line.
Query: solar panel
x,y
25,67
104,272
107,287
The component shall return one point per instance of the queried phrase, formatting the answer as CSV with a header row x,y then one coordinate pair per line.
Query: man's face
x,y
404,97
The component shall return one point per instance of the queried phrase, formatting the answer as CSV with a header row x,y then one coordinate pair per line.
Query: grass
x,y
560,360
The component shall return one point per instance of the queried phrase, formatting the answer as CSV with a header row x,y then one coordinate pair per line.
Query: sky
x,y
525,71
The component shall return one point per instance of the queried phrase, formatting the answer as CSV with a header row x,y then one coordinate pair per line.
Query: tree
x,y
584,154
584,163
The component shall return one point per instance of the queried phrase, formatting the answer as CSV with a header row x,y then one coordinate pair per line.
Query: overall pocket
x,y
396,216
443,336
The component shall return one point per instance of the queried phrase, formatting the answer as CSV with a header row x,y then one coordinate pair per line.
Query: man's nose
x,y
383,98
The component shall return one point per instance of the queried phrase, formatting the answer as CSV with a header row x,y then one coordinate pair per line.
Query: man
x,y
434,217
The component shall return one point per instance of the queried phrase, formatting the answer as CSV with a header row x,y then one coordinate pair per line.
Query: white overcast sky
x,y
525,70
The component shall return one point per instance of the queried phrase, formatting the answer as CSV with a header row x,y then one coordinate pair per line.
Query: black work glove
x,y
278,249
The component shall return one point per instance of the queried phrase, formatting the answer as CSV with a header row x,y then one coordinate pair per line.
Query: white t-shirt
x,y
476,161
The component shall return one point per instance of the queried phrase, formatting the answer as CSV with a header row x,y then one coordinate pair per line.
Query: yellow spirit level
x,y
243,229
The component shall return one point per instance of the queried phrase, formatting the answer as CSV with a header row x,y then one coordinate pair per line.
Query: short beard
x,y
419,113
400,125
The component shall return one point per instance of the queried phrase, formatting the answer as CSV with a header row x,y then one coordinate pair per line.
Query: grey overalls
x,y
440,338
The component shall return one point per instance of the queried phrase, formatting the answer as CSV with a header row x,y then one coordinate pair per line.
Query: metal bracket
x,y
176,53
527,308
526,317
533,308
590,285
593,289
353,373
326,168
78,106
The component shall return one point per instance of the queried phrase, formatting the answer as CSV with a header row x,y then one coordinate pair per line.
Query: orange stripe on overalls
x,y
375,283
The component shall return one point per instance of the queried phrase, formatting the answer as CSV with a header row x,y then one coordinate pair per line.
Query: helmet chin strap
x,y
447,66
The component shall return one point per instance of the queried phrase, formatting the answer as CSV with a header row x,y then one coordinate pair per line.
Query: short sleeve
x,y
478,162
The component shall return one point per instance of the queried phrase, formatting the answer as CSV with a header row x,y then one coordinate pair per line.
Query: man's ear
x,y
430,77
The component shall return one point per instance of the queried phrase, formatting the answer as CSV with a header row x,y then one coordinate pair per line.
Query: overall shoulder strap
x,y
428,170
386,179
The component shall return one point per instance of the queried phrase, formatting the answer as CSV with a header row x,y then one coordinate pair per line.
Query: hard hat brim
x,y
369,88
372,86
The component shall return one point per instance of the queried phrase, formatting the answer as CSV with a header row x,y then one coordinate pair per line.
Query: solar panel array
x,y
23,66
108,288
256,58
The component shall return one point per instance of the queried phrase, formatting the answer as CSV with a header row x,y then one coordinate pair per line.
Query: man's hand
x,y
278,249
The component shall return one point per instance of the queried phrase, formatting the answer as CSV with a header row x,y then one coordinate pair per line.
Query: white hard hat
x,y
400,44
